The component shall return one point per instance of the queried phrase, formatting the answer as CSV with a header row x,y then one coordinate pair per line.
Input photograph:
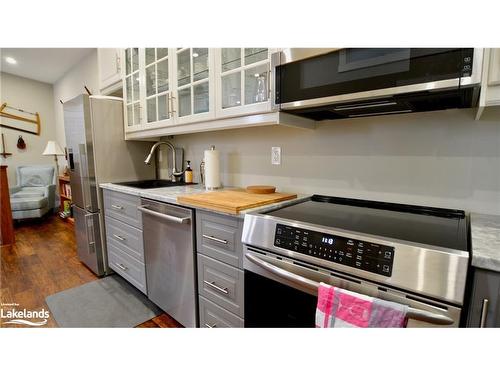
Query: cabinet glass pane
x,y
137,113
185,102
231,90
150,55
130,115
183,68
128,83
151,104
135,59
201,99
256,84
135,86
255,54
231,58
128,61
163,107
200,63
162,75
150,80
161,53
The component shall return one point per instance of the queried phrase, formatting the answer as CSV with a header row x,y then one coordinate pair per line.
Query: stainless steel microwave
x,y
355,82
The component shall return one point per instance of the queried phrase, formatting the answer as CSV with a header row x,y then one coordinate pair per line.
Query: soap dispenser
x,y
188,174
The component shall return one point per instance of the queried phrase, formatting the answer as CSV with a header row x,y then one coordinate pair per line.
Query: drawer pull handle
x,y
484,313
210,326
215,239
216,287
121,266
116,207
118,237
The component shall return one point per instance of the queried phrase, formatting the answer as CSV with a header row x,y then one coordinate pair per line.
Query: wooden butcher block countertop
x,y
232,201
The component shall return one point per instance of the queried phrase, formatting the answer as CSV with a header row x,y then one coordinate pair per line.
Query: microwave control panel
x,y
367,256
467,62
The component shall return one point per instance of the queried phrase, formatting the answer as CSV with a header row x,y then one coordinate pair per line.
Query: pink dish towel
x,y
342,308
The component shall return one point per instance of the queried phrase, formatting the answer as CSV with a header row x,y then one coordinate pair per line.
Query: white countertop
x,y
485,238
170,194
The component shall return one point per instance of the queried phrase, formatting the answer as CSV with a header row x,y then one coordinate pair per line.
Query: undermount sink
x,y
153,184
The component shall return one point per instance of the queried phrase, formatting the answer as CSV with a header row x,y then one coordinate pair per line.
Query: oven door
x,y
281,292
360,73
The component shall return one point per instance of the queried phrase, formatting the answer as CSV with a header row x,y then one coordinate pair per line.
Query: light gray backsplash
x,y
443,158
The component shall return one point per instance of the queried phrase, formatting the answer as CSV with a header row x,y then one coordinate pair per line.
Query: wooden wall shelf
x,y
64,195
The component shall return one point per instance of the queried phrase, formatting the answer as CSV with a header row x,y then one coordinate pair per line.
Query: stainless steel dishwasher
x,y
168,232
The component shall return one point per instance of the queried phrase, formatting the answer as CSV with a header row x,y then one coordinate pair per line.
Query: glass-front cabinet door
x,y
194,99
158,87
132,90
243,81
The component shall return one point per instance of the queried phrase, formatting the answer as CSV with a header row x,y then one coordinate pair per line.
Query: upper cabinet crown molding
x,y
185,90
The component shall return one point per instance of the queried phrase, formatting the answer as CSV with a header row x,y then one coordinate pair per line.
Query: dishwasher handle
x,y
180,220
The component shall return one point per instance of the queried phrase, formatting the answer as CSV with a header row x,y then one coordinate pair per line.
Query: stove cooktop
x,y
423,225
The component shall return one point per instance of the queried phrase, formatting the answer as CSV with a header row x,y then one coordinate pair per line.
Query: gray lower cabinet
x,y
124,238
219,237
221,283
484,309
220,270
214,316
129,268
123,207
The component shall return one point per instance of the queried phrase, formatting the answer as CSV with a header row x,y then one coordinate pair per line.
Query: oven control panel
x,y
367,256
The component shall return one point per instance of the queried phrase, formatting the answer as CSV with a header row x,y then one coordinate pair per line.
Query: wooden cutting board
x,y
232,201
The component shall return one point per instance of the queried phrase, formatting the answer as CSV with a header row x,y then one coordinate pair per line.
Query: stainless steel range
x,y
412,255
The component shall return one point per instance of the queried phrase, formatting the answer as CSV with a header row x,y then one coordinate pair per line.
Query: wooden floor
x,y
43,261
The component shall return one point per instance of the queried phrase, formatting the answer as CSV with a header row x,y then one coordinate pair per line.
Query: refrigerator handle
x,y
84,175
70,159
89,225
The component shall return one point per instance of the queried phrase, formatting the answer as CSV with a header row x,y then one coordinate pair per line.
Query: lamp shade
x,y
53,148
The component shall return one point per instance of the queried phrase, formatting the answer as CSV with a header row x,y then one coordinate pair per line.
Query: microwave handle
x,y
416,314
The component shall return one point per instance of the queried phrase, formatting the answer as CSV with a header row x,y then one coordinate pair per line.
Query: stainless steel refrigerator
x,y
97,153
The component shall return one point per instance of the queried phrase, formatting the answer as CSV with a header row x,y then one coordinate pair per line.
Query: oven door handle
x,y
416,314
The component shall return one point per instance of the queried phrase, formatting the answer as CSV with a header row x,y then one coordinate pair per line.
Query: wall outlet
x,y
276,155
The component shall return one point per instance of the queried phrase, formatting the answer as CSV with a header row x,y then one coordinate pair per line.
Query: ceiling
x,y
41,64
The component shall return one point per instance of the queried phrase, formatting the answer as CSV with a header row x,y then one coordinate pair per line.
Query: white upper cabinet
x,y
158,87
494,68
243,79
490,82
109,63
133,90
194,99
186,90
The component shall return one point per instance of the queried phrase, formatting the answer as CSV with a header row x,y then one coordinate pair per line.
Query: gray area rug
x,y
108,302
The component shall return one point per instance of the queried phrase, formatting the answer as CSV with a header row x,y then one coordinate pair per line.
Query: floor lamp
x,y
53,148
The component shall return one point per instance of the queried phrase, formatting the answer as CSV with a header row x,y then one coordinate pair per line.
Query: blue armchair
x,y
35,192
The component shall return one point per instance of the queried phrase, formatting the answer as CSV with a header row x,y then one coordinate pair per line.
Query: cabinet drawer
x,y
125,237
127,267
123,207
213,316
220,238
221,284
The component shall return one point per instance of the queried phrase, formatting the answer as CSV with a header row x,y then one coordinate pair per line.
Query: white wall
x,y
71,85
443,158
33,96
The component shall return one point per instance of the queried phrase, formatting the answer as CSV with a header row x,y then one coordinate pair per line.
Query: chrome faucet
x,y
175,173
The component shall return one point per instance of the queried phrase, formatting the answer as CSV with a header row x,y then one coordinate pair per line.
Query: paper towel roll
x,y
212,168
